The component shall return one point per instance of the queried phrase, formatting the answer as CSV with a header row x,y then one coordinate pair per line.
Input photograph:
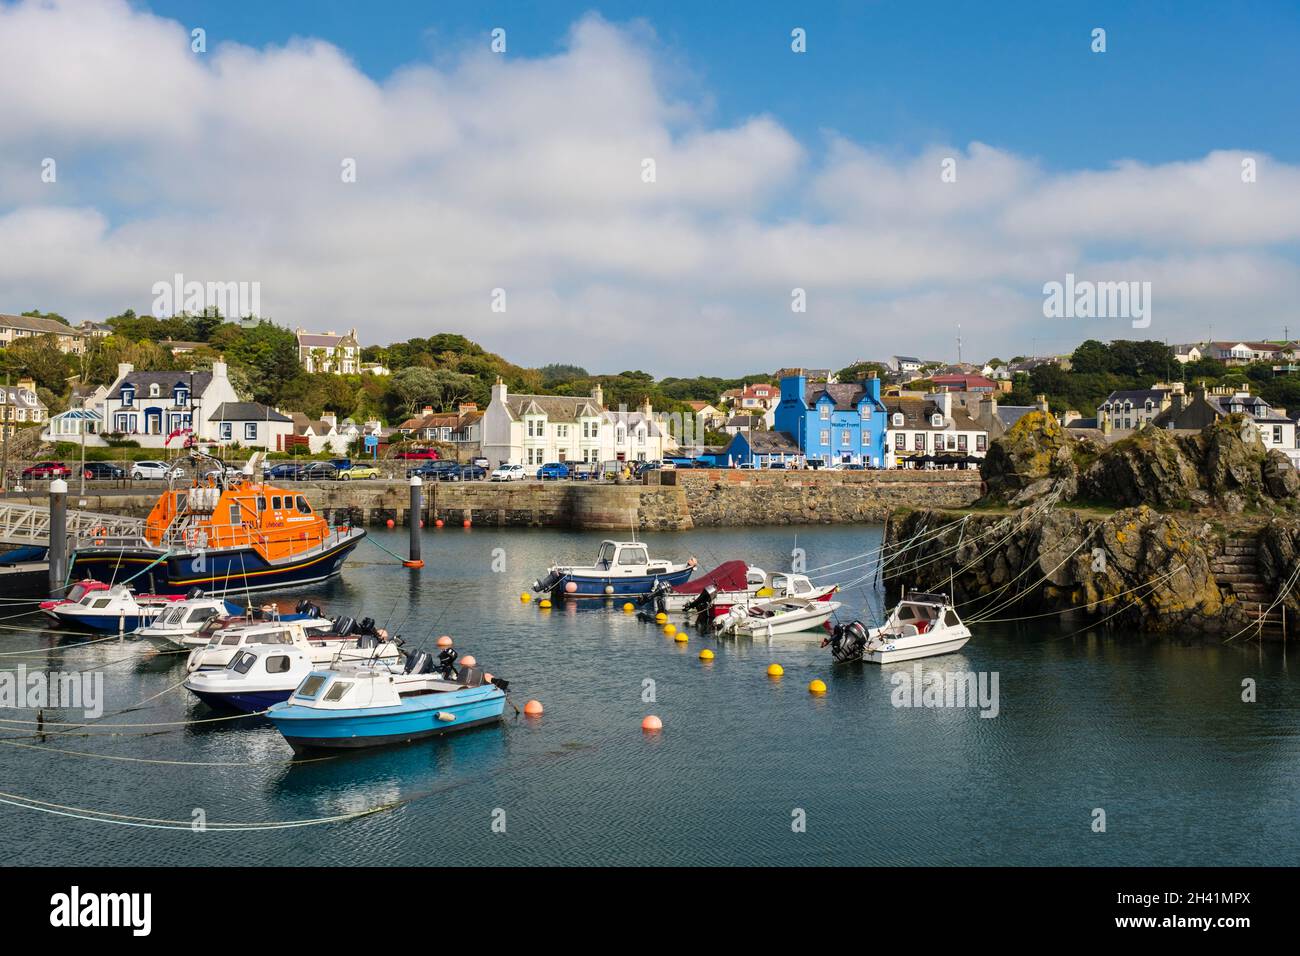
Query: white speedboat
x,y
776,618
324,641
260,675
115,609
923,625
186,618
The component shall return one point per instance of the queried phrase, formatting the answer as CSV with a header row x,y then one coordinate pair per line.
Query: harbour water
x,y
1152,732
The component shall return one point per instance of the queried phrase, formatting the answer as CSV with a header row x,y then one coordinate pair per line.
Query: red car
x,y
48,469
419,454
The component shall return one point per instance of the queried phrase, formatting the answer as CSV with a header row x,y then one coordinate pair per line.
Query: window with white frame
x,y
250,431
226,431
846,438
918,441
824,436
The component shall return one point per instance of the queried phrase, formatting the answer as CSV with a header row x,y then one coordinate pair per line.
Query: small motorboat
x,y
74,594
922,625
366,706
306,612
776,618
187,617
622,569
258,676
118,608
731,580
326,642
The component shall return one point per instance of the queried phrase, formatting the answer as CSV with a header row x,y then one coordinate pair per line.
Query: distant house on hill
x,y
16,328
329,352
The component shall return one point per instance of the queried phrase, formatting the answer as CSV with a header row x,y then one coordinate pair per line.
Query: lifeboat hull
x,y
216,570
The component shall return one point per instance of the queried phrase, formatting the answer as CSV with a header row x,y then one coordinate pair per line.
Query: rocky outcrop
x,y
1137,568
1150,467
1033,459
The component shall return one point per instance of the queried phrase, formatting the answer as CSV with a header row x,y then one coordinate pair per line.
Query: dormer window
x,y
865,412
181,395
128,394
936,420
153,389
824,409
898,419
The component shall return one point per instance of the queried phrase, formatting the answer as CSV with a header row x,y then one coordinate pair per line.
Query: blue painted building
x,y
842,423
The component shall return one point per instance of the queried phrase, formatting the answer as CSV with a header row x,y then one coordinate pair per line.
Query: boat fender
x,y
691,562
446,716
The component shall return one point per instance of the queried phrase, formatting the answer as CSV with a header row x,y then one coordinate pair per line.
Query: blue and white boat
x,y
186,618
259,676
621,569
366,706
118,608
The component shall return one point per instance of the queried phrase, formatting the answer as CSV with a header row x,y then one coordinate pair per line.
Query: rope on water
x,y
169,763
383,549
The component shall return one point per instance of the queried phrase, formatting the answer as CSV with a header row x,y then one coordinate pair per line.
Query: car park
x,y
47,469
553,470
145,470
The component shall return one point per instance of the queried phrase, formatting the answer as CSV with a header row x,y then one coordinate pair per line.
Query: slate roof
x,y
845,395
247,412
771,443
1010,414
38,326
917,413
632,420
165,381
1138,396
320,340
556,408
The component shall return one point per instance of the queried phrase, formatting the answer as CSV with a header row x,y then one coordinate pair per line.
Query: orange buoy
x,y
571,587
417,563
468,660
438,523
389,522
652,724
533,708
444,641
466,523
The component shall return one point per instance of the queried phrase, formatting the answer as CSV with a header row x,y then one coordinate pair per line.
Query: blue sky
x,y
1179,77
775,172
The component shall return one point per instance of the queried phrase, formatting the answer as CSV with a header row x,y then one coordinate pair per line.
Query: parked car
x,y
430,470
553,470
353,472
510,473
285,471
480,462
679,462
342,464
141,470
316,471
48,469
417,454
461,473
585,470
102,470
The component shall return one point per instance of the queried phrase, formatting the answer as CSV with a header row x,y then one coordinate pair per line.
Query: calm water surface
x,y
1152,731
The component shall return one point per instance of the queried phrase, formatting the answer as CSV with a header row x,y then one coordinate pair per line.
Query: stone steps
x,y
1236,571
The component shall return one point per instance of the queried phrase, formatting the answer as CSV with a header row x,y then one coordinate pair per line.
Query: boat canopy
x,y
728,576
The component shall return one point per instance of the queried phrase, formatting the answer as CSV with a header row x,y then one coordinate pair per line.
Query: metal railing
x,y
30,524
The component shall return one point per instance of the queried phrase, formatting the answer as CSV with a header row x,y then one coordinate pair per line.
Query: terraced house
x,y
932,425
16,328
842,422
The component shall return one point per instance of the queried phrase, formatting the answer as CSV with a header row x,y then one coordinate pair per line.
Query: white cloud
x,y
483,171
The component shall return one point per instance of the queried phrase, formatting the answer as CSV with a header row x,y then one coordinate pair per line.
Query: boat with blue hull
x,y
225,533
114,609
621,569
363,706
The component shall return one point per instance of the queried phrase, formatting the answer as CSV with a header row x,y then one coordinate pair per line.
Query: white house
x,y
147,406
329,351
250,425
632,436
535,429
931,426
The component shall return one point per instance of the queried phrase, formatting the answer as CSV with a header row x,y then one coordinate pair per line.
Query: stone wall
x,y
672,501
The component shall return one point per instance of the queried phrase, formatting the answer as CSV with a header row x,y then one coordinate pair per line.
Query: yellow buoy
x,y
628,608
818,686
670,629
706,655
544,602
775,670
661,618
525,597
681,637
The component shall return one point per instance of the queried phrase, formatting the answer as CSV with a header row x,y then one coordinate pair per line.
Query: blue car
x,y
553,470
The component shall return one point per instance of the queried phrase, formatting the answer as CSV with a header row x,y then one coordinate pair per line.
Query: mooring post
x,y
414,518
58,553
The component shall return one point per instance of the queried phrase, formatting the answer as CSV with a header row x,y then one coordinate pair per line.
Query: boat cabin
x,y
229,513
790,585
271,632
269,661
918,613
627,557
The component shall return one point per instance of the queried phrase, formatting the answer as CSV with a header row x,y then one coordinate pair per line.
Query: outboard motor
x,y
847,641
703,599
549,582
344,626
367,626
306,607
418,663
447,662
366,641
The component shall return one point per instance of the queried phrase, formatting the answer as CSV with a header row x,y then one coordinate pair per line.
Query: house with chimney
x,y
1204,406
21,406
329,352
1127,410
835,423
931,425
